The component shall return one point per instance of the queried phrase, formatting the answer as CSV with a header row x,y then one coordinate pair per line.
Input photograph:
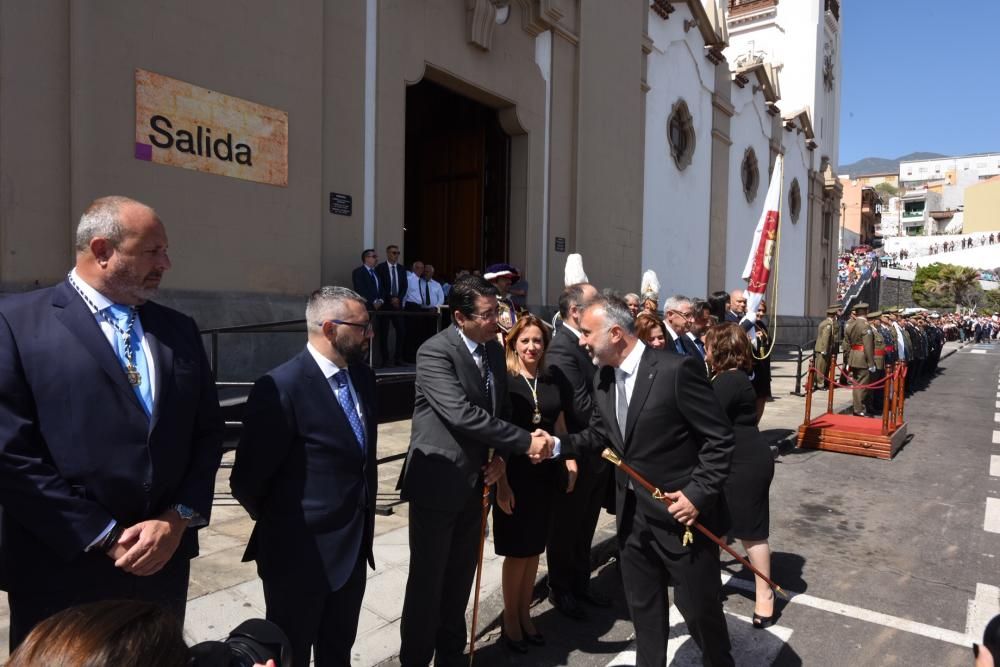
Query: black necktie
x,y
427,294
484,372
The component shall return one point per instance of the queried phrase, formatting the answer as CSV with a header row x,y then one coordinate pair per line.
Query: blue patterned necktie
x,y
346,401
121,316
679,346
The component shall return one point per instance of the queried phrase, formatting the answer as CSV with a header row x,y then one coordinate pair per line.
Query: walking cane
x,y
479,564
616,460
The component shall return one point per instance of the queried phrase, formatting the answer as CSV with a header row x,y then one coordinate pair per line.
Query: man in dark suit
x,y
459,416
678,314
737,306
658,411
305,471
366,282
575,514
110,430
392,278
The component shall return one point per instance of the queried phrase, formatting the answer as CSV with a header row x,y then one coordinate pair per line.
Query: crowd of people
x,y
852,267
111,433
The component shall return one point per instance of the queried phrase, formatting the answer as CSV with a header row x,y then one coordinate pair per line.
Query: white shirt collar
x,y
569,327
469,343
631,363
673,334
328,368
102,302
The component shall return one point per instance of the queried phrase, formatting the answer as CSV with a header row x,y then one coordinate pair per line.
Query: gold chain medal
x,y
537,417
133,375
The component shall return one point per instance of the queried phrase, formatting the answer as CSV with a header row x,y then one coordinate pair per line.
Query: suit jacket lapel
x,y
468,372
163,358
323,392
645,373
76,316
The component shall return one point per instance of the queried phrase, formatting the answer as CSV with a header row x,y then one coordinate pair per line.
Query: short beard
x,y
353,353
125,282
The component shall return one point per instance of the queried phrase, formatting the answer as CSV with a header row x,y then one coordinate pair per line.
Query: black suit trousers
x,y
382,332
647,569
168,588
571,531
444,548
315,618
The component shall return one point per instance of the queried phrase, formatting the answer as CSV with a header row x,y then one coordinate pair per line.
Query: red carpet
x,y
868,425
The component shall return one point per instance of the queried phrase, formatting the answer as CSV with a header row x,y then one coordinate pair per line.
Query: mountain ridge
x,y
881,165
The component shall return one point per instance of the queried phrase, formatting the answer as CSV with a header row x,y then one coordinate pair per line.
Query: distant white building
x,y
956,171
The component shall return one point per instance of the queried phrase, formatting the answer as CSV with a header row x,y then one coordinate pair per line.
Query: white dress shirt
x,y
628,368
436,292
413,285
900,344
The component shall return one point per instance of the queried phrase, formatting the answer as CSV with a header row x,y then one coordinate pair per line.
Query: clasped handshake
x,y
542,445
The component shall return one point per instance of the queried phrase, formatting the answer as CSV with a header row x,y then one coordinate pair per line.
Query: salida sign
x,y
182,125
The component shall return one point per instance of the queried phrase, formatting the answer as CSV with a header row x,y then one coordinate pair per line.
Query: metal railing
x,y
801,354
441,317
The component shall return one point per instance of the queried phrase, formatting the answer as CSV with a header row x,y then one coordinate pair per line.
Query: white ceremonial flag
x,y
764,245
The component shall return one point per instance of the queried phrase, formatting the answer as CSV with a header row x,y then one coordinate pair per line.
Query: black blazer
x,y
302,476
385,282
566,358
76,446
453,426
676,436
686,343
366,286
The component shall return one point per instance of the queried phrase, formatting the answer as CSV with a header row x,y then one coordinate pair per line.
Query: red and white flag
x,y
764,246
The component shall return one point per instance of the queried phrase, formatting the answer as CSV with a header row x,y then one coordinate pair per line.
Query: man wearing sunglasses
x,y
305,471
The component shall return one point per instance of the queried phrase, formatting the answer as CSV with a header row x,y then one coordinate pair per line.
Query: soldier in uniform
x,y
859,354
827,344
875,398
903,344
503,276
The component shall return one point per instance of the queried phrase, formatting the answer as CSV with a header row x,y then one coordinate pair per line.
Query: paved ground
x,y
902,541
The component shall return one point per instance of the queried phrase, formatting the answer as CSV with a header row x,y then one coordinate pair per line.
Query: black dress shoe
x,y
567,604
596,599
537,639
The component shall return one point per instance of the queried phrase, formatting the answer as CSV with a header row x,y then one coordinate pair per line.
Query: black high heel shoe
x,y
515,645
760,622
537,639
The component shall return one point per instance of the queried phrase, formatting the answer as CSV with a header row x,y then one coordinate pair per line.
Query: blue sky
x,y
919,75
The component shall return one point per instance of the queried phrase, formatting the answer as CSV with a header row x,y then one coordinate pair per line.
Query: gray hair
x,y
631,296
676,301
102,219
327,303
616,312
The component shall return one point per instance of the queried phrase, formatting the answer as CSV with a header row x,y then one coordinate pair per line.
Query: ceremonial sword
x,y
688,537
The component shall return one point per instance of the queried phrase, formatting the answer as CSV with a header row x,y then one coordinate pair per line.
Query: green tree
x,y
946,285
990,302
887,190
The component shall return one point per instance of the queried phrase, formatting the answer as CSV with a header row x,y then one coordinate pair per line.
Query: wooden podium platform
x,y
852,435
877,437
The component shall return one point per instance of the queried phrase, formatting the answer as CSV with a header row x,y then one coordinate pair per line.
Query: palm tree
x,y
959,282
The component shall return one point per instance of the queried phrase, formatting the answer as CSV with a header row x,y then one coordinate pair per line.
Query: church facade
x,y
279,140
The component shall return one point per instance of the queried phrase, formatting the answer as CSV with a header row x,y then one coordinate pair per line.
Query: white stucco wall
x,y
675,202
750,128
792,261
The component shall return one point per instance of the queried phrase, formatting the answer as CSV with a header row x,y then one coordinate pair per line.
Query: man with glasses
x,y
392,276
460,414
366,282
305,471
678,313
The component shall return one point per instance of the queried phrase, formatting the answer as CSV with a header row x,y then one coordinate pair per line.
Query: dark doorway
x,y
457,197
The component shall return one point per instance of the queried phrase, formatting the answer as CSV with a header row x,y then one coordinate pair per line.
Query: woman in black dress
x,y
525,491
761,346
727,351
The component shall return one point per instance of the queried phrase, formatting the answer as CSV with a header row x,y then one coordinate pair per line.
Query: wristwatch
x,y
183,511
